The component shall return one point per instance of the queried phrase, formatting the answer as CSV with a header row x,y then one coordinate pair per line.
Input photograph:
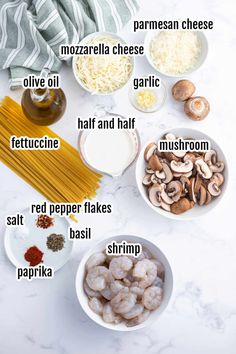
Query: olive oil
x,y
43,106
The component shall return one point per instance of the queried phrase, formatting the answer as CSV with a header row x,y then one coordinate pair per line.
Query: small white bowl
x,y
202,57
160,93
83,42
168,284
197,210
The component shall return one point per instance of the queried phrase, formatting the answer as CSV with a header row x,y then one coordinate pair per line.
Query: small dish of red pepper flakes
x,y
44,221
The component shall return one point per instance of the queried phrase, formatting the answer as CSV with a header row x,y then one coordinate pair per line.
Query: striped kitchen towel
x,y
31,31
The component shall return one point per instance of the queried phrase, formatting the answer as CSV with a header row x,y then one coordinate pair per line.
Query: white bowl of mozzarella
x,y
102,74
176,53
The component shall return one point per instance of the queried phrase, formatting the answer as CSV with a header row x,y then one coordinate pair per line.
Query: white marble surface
x,y
44,317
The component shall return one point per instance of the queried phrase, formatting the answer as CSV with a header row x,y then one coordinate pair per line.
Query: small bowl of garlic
x,y
148,99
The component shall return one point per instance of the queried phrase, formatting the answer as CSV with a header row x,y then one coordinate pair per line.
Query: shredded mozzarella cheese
x,y
175,52
104,73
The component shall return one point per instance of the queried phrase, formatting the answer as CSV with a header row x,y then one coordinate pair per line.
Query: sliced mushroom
x,y
170,136
149,151
177,175
194,172
168,173
214,189
165,206
159,153
210,156
175,181
181,167
147,180
154,178
149,171
191,156
170,156
164,160
154,163
166,198
181,206
203,169
185,182
174,190
202,195
160,174
218,178
191,191
154,193
208,198
198,183
179,153
218,167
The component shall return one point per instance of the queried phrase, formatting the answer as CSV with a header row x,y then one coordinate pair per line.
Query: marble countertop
x,y
44,317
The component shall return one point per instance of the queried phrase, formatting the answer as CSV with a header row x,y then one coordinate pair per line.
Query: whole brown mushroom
x,y
182,90
197,108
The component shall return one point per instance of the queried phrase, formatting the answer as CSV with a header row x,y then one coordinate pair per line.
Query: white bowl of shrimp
x,y
124,293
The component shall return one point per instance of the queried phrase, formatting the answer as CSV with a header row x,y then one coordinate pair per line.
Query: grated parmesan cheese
x,y
175,52
104,73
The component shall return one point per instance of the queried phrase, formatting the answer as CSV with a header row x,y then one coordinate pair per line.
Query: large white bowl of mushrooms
x,y
182,185
124,293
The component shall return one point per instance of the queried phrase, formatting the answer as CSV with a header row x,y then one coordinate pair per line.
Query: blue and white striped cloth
x,y
31,31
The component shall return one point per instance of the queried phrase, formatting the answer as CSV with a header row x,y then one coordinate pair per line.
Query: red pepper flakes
x,y
44,221
34,256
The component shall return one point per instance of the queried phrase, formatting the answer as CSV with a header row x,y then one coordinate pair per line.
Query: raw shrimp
x,y
116,286
160,268
146,254
107,292
98,278
134,312
135,289
112,289
95,305
146,271
127,282
124,288
120,266
152,297
129,276
90,292
123,301
95,260
158,282
108,257
139,319
109,316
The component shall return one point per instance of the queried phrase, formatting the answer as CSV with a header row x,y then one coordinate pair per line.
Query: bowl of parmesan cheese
x,y
176,53
97,69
